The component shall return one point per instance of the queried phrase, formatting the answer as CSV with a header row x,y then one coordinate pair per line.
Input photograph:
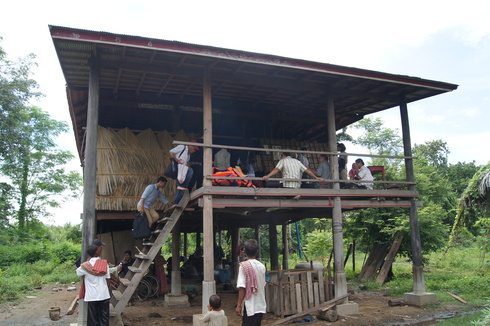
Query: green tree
x,y
16,89
31,163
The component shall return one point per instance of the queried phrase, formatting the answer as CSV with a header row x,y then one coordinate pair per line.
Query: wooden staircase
x,y
129,283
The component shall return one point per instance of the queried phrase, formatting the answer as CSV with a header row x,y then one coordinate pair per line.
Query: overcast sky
x,y
442,40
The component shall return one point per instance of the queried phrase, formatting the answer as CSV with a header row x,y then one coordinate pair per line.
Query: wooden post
x,y
340,279
90,159
273,245
209,285
185,245
285,247
235,234
257,237
418,273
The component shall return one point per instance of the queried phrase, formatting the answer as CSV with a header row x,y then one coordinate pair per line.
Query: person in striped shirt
x,y
291,168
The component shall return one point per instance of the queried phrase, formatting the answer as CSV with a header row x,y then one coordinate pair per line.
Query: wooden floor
x,y
249,207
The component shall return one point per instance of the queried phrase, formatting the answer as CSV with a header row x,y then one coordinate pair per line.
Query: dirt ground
x,y
373,310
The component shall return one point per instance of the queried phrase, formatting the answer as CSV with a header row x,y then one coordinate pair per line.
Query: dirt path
x,y
373,310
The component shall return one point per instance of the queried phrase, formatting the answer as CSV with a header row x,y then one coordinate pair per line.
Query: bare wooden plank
x,y
304,291
321,285
316,293
457,298
310,310
309,281
292,293
299,305
383,273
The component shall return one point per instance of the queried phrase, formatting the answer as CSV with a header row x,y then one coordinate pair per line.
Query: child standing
x,y
215,316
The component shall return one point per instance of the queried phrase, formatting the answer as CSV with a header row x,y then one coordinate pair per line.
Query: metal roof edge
x,y
59,32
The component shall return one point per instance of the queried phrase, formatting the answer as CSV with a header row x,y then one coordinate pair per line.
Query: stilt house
x,y
131,99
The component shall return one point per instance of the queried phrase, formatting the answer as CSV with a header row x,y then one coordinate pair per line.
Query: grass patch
x,y
19,278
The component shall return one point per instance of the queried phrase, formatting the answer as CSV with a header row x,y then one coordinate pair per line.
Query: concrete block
x,y
176,301
420,299
197,320
349,308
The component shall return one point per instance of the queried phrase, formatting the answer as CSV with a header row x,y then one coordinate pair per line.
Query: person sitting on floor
x,y
364,174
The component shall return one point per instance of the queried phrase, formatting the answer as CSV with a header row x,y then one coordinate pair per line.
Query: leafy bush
x,y
22,253
64,252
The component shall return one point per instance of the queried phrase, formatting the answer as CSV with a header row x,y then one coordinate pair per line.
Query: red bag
x,y
81,293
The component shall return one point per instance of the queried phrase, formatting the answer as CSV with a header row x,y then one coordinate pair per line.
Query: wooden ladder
x,y
130,282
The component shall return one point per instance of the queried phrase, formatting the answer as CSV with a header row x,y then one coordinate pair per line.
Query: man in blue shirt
x,y
151,193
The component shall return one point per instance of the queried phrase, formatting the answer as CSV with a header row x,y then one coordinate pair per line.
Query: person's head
x,y
127,254
92,250
359,162
99,244
341,147
322,158
251,248
215,301
192,149
285,154
161,182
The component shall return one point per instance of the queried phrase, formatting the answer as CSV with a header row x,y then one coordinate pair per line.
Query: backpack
x,y
141,229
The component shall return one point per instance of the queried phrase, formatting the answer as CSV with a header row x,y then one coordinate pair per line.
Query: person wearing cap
x,y
182,154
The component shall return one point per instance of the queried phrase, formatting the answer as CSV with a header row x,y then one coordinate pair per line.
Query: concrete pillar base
x,y
82,313
420,299
348,308
208,289
176,301
197,320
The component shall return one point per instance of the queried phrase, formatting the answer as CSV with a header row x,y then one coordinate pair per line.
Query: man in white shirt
x,y
251,305
364,174
95,273
291,168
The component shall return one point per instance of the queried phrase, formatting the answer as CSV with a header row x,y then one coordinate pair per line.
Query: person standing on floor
x,y
251,305
195,163
342,161
323,171
291,168
95,273
182,154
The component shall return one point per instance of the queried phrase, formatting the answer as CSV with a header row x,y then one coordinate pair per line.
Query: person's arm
x,y
313,175
239,304
142,207
273,172
162,198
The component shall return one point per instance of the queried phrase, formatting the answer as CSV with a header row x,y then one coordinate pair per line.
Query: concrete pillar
x,y
176,277
208,284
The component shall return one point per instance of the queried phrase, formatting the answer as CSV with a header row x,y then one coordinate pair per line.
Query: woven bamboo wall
x,y
127,162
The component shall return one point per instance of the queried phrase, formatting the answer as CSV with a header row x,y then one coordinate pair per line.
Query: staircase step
x,y
142,256
117,294
135,269
148,244
157,231
112,310
165,220
125,281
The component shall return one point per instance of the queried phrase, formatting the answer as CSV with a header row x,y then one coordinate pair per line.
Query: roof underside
x,y
158,84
